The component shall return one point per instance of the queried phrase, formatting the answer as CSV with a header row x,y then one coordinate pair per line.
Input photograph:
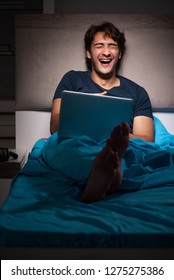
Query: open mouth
x,y
105,62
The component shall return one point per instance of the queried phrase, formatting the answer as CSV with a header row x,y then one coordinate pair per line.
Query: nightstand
x,y
8,170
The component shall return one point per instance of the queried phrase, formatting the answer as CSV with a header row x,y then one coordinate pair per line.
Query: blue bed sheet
x,y
44,207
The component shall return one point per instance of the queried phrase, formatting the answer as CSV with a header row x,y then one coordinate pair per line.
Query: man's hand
x,y
101,93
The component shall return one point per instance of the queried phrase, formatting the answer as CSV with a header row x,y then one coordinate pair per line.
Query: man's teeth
x,y
105,61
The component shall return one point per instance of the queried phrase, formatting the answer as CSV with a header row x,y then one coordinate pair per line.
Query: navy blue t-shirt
x,y
81,81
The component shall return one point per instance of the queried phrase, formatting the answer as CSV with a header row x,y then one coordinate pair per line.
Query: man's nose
x,y
106,50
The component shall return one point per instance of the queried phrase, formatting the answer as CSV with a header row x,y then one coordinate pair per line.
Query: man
x,y
104,46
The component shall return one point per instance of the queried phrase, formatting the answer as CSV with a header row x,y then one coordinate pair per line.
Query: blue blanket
x,y
145,164
44,208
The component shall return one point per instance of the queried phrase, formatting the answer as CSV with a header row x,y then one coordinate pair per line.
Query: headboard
x,y
47,46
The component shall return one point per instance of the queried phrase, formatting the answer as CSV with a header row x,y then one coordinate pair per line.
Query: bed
x,y
43,216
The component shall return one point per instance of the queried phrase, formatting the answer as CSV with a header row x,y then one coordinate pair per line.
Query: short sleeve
x,y
142,103
66,83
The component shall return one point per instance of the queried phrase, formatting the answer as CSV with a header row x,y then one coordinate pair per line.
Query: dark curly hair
x,y
109,30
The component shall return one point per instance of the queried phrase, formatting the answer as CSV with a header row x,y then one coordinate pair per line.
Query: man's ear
x,y
88,54
120,56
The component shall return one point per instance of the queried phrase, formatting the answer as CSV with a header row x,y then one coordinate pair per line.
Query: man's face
x,y
104,55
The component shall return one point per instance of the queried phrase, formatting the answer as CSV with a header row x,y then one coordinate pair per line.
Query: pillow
x,y
162,136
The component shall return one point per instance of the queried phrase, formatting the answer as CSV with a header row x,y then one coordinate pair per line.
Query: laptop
x,y
93,115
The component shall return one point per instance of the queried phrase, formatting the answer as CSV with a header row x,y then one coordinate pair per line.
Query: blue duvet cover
x,y
44,209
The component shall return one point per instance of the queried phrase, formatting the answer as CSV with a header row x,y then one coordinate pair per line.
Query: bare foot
x,y
103,173
119,139
119,142
106,172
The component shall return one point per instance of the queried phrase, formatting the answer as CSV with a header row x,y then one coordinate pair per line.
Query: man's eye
x,y
98,46
114,46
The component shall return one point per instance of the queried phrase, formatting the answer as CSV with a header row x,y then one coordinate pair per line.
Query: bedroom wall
x,y
43,43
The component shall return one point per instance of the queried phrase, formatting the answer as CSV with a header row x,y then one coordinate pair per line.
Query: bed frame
x,y
47,46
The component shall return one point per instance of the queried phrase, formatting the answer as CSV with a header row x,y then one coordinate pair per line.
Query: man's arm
x,y
143,128
55,115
